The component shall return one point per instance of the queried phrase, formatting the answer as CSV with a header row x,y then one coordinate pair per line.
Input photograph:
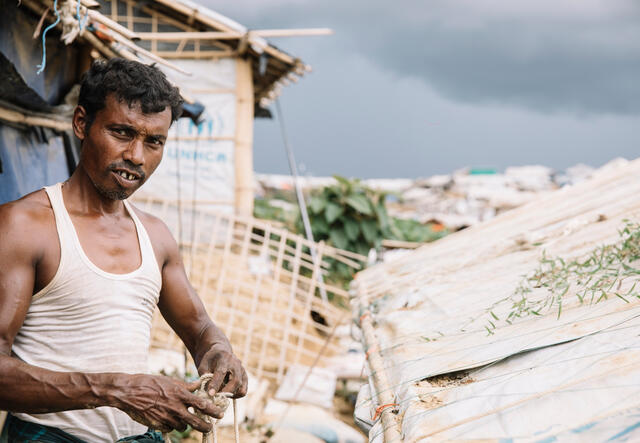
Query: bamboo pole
x,y
308,302
244,139
275,285
103,48
243,253
388,243
111,24
386,397
290,311
133,47
202,55
232,35
254,302
45,122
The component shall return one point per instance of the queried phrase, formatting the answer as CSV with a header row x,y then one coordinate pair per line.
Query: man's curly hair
x,y
131,82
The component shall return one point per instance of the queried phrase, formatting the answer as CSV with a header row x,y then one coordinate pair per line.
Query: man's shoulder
x,y
27,212
158,231
150,221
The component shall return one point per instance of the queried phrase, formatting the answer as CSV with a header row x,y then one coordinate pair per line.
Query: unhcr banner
x,y
198,162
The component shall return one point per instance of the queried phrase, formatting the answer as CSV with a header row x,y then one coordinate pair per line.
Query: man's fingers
x,y
242,391
215,383
193,385
196,422
232,384
206,406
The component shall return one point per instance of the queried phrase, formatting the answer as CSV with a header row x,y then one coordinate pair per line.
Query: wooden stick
x,y
231,35
387,243
243,150
384,393
287,330
243,254
90,4
38,29
309,297
194,55
112,25
132,46
225,259
275,284
105,49
46,122
300,32
207,264
254,301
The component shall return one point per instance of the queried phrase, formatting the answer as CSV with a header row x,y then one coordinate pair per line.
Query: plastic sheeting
x,y
31,159
540,377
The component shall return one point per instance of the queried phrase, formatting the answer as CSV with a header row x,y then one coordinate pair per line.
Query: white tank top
x,y
89,320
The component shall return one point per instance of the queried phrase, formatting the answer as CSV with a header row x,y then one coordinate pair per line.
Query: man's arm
x,y
184,312
154,400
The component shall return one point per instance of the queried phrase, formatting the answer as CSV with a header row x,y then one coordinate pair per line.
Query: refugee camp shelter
x,y
42,60
522,328
227,76
36,147
233,72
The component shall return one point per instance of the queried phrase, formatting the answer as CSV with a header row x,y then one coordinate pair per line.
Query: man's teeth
x,y
127,176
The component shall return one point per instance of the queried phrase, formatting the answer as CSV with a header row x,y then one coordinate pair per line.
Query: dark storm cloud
x,y
576,56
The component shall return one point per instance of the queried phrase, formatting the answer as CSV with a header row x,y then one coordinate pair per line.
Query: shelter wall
x,y
32,157
17,25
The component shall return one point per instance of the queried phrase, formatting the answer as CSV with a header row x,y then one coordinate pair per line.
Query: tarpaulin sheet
x,y
31,159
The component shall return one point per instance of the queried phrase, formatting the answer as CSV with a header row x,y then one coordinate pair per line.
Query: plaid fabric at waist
x,y
20,431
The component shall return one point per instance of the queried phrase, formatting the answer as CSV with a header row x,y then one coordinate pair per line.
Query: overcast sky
x,y
415,88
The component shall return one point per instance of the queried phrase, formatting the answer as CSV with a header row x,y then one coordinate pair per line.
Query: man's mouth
x,y
126,175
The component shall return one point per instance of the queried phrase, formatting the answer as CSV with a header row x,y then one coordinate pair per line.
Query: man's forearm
x,y
27,388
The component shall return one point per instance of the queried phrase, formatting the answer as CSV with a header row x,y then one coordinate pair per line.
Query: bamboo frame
x,y
265,307
189,55
231,35
243,150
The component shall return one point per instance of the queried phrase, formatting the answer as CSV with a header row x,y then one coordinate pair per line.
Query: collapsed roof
x,y
523,327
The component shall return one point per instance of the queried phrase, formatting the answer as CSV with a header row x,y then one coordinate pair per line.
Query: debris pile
x,y
458,200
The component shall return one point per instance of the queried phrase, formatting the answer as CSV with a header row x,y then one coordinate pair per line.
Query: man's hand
x,y
161,402
227,370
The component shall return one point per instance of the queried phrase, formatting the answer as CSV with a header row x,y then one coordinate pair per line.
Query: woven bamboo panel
x,y
259,283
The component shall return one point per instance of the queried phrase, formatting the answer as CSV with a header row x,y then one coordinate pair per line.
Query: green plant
x,y
348,216
593,278
413,231
263,209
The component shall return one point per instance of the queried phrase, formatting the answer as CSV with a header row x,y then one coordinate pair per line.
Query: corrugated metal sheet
x,y
430,309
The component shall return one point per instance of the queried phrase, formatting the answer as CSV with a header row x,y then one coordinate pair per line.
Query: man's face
x,y
122,147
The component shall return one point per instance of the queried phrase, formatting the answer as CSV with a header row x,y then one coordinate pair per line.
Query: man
x,y
81,271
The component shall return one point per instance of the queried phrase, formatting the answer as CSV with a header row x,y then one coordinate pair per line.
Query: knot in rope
x,y
221,401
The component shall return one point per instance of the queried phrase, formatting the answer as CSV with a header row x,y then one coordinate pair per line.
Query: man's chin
x,y
115,194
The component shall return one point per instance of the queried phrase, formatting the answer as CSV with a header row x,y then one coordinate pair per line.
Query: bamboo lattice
x,y
259,283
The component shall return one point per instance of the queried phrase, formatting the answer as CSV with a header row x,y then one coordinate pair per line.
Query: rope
x,y
81,21
220,400
42,65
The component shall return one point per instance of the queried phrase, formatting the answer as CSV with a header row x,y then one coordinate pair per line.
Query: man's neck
x,y
81,195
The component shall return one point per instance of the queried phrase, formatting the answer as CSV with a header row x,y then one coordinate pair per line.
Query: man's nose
x,y
135,152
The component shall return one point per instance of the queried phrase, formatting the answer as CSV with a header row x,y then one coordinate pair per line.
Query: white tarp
x,y
542,376
198,161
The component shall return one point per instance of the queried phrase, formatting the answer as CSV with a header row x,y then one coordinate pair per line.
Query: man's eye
x,y
121,132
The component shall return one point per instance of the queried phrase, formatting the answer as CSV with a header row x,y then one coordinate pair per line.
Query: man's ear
x,y
79,122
